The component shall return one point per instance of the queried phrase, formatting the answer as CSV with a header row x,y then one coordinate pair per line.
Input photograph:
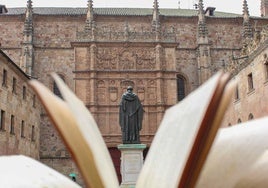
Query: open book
x,y
179,154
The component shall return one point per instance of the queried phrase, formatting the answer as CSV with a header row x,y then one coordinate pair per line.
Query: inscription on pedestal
x,y
131,163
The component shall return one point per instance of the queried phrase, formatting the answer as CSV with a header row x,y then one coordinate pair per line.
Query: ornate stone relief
x,y
125,59
151,95
125,83
110,91
101,91
141,93
232,65
151,91
128,32
113,93
152,83
251,45
106,59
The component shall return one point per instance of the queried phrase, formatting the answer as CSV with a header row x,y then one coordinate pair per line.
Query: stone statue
x,y
130,117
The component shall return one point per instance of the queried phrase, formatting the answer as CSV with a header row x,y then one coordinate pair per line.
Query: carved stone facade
x,y
109,70
101,51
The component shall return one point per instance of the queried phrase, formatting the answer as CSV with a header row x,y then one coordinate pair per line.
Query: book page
x,y
256,176
176,136
90,132
233,153
25,172
80,134
207,131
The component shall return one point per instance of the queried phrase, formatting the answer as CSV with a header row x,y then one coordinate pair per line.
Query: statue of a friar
x,y
130,117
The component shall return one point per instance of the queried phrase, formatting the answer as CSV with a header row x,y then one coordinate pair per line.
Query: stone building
x,y
163,53
20,112
250,71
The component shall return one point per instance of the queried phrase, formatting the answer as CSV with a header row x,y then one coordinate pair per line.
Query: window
x,y
34,101
4,81
2,120
266,69
250,82
250,116
24,92
33,134
22,131
239,121
56,90
14,83
180,87
12,122
237,93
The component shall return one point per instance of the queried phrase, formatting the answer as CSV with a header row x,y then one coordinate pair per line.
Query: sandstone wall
x,y
250,101
25,109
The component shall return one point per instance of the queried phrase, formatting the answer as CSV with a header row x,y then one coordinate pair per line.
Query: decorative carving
x,y
112,82
151,95
101,90
165,93
113,91
140,83
100,84
123,33
264,34
151,83
232,65
251,44
145,59
106,59
126,33
125,83
125,59
101,95
141,93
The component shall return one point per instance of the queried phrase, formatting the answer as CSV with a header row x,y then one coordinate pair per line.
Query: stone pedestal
x,y
131,163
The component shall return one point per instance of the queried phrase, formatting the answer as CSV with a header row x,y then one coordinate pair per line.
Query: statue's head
x,y
129,89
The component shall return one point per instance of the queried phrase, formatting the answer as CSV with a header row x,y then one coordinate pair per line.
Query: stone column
x,y
131,163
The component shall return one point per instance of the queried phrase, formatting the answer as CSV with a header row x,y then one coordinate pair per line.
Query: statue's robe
x,y
130,118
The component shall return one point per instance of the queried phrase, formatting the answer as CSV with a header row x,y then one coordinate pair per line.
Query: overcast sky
x,y
234,6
